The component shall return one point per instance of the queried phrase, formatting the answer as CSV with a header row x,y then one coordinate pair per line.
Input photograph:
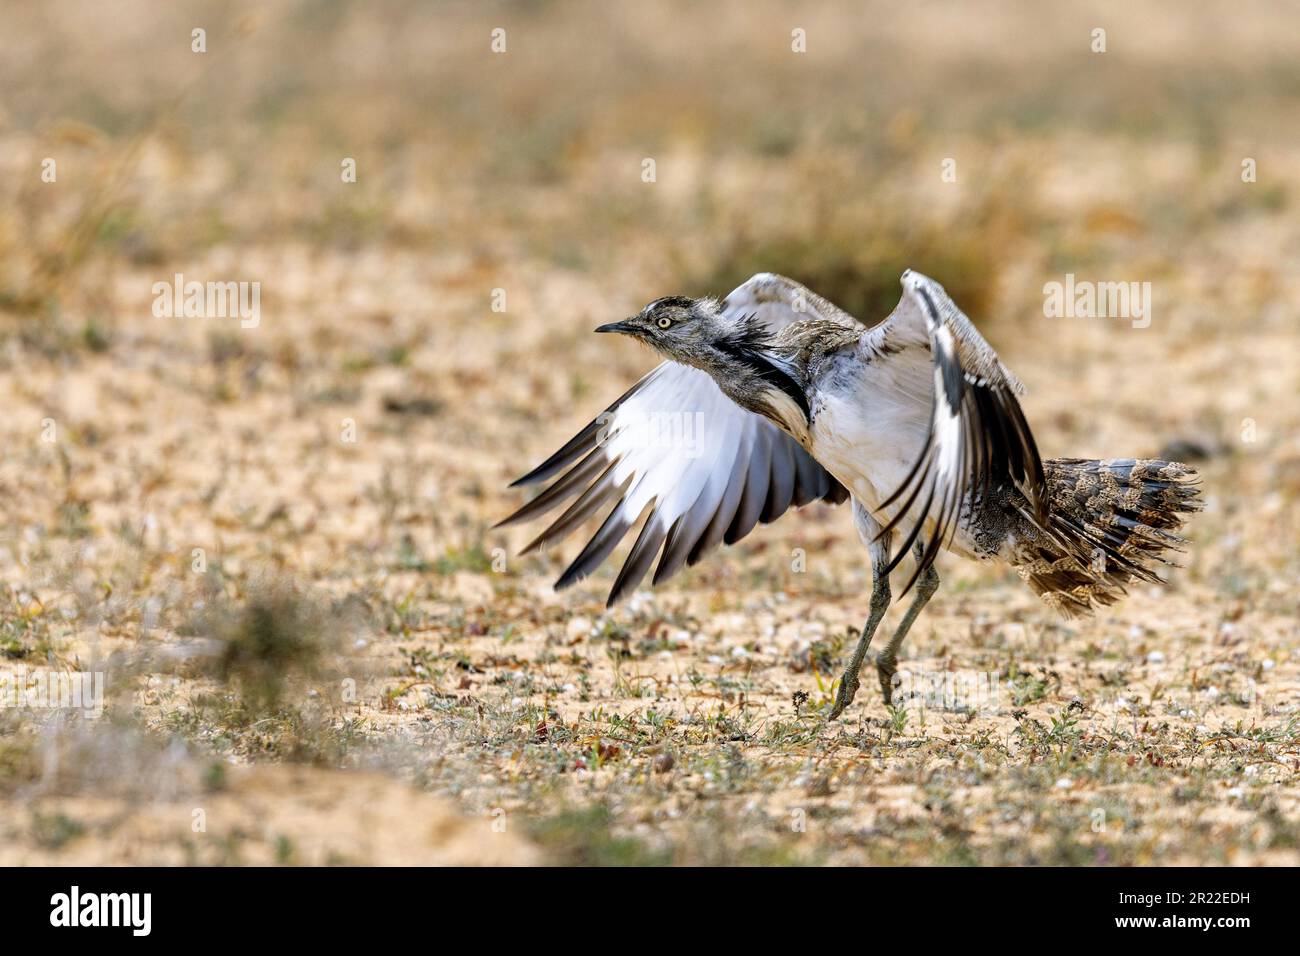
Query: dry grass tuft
x,y
275,637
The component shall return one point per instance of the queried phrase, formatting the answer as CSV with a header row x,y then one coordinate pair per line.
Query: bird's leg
x,y
887,662
867,529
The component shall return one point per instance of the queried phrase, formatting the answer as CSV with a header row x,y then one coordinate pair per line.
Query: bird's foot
x,y
848,690
886,668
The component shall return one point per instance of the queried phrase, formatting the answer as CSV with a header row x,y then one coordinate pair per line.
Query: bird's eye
x,y
664,323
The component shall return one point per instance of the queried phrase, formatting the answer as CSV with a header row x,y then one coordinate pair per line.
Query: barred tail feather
x,y
1109,524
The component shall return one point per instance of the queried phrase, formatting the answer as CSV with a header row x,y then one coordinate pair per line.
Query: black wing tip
x,y
507,520
617,595
573,448
569,578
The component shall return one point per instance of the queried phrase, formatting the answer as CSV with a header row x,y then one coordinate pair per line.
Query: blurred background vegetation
x,y
823,164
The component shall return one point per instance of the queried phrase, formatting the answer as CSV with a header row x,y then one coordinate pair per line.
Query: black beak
x,y
626,327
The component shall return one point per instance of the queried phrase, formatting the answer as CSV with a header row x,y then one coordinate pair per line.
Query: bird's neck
x,y
760,379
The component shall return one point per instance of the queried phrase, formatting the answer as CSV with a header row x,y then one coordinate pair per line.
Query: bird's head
x,y
738,352
678,327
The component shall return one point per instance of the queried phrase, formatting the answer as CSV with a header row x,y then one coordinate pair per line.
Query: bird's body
x,y
915,418
870,421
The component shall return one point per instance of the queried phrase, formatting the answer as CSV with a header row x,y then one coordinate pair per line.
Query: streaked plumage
x,y
916,418
747,471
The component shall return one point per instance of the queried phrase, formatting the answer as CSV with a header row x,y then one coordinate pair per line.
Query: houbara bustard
x,y
916,419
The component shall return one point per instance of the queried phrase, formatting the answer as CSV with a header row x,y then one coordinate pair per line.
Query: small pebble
x,y
578,627
819,787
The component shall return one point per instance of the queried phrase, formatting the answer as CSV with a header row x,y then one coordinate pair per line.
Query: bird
x,y
772,398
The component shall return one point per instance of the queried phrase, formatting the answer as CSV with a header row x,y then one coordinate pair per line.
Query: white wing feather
x,y
720,471
978,438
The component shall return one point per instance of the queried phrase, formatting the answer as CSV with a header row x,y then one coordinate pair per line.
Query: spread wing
x,y
705,469
779,301
978,439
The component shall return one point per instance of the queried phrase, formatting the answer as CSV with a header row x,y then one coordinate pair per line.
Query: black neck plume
x,y
750,345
